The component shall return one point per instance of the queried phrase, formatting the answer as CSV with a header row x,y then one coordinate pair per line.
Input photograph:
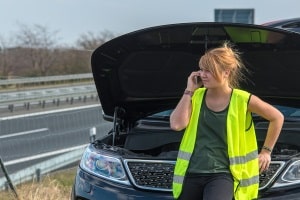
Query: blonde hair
x,y
224,58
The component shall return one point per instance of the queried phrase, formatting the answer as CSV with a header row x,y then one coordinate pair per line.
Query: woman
x,y
218,156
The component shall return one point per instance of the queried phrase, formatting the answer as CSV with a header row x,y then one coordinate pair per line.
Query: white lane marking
x,y
24,133
49,112
52,153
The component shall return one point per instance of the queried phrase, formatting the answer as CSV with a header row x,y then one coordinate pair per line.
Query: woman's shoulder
x,y
241,92
243,95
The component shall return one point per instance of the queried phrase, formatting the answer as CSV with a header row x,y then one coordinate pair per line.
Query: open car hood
x,y
146,71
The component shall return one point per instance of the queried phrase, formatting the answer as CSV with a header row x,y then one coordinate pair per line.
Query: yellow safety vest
x,y
241,141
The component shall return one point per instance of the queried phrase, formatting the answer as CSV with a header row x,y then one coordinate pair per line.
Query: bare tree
x,y
90,41
6,59
72,61
39,45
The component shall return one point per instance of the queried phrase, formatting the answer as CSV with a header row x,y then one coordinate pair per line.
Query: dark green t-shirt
x,y
210,152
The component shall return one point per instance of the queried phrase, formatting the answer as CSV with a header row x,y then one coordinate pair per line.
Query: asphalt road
x,y
29,138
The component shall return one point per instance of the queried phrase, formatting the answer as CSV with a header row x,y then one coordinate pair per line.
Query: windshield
x,y
162,115
289,112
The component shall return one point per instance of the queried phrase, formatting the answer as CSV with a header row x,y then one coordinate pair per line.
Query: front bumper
x,y
89,187
282,194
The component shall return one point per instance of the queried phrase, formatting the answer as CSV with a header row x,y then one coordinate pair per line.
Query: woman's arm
x,y
180,117
275,118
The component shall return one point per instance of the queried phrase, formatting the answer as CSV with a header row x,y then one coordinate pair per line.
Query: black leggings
x,y
207,187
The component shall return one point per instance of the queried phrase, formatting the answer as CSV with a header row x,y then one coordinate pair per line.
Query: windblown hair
x,y
221,59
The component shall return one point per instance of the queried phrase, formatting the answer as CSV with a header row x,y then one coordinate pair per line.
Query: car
x,y
292,24
140,77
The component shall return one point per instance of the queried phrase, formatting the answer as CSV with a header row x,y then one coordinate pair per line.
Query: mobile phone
x,y
197,79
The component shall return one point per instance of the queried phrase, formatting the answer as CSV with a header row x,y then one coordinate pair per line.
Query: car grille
x,y
151,174
158,175
268,176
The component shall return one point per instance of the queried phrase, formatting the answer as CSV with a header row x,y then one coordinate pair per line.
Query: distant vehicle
x,y
140,77
292,24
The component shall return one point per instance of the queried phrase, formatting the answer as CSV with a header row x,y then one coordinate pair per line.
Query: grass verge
x,y
54,186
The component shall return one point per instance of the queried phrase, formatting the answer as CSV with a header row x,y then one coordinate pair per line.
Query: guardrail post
x,y
6,186
27,105
11,107
38,175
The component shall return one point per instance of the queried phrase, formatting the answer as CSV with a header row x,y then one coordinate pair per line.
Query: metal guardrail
x,y
45,98
48,93
43,168
44,79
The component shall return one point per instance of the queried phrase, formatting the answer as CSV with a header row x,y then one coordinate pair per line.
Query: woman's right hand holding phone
x,y
194,81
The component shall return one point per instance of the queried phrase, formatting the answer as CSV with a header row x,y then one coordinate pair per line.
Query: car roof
x,y
145,71
280,22
292,24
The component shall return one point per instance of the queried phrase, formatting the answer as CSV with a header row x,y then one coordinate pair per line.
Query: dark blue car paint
x,y
94,188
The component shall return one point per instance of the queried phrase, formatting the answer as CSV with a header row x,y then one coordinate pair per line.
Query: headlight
x,y
103,166
291,176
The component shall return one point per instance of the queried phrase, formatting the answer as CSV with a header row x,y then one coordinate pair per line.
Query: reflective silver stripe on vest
x,y
248,182
243,159
184,155
178,179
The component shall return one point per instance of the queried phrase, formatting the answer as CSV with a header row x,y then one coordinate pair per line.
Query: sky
x,y
72,18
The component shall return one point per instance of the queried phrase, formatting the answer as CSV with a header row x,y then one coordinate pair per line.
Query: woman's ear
x,y
226,73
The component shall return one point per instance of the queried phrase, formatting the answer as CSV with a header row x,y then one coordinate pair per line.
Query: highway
x,y
32,137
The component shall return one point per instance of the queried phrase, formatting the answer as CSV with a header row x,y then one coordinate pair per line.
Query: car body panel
x,y
102,189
